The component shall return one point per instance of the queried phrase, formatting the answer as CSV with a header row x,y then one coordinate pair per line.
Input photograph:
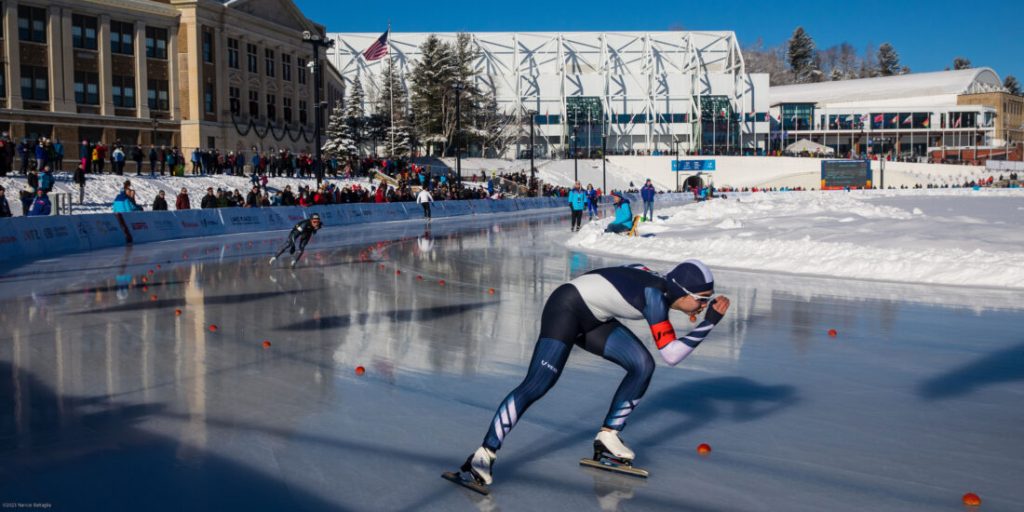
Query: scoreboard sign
x,y
693,165
841,174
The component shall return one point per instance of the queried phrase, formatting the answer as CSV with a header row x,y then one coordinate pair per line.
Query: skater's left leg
x,y
616,343
546,365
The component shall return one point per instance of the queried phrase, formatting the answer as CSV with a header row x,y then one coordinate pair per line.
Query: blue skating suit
x,y
586,312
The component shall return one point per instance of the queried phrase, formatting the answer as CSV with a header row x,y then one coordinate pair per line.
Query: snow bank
x,y
955,237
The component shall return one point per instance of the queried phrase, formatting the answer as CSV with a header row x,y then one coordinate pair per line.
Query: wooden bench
x,y
636,222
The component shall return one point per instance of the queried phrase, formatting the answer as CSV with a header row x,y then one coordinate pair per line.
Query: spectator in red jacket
x,y
182,202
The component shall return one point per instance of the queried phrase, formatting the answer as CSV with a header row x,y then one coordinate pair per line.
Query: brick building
x,y
230,74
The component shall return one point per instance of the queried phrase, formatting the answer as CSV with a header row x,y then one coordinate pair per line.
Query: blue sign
x,y
693,165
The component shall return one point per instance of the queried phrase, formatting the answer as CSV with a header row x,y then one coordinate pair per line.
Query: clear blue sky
x,y
927,34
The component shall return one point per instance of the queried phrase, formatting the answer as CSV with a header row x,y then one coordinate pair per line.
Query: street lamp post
x,y
458,88
533,170
575,161
317,41
604,160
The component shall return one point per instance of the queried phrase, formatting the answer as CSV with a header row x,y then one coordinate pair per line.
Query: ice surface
x,y
110,401
955,236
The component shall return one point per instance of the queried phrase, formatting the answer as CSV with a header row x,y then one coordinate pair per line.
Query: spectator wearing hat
x,y
647,195
623,215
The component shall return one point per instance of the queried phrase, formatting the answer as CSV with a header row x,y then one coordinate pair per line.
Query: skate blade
x,y
469,484
614,467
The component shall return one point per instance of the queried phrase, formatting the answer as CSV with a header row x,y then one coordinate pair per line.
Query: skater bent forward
x,y
586,312
301,232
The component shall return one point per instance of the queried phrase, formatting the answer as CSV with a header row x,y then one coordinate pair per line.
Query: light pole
x,y
533,170
458,88
575,162
604,160
317,41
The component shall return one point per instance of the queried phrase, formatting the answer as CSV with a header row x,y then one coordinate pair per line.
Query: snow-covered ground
x,y
100,190
947,236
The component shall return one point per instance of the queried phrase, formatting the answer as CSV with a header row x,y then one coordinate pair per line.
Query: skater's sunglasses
x,y
699,298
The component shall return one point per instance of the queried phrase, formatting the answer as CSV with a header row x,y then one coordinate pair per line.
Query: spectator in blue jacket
x,y
577,203
46,180
41,205
40,152
592,199
623,215
647,194
125,200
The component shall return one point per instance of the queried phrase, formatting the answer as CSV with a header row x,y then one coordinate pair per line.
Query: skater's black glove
x,y
713,316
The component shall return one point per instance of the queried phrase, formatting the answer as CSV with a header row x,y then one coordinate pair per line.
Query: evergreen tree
x,y
393,107
430,95
800,55
888,60
339,143
1012,85
471,99
355,113
961,63
836,75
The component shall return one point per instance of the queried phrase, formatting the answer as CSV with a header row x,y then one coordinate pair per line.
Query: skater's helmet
x,y
693,275
315,216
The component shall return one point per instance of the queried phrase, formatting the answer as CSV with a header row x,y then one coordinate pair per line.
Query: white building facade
x,y
905,116
649,92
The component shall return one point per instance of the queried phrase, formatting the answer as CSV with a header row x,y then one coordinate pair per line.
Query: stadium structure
x,y
648,92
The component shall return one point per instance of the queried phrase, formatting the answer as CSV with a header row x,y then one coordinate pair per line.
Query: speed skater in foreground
x,y
586,312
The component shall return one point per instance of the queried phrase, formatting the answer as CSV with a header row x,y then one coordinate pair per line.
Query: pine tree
x,y
836,75
961,63
471,99
430,95
339,143
888,60
355,113
1012,85
800,55
393,107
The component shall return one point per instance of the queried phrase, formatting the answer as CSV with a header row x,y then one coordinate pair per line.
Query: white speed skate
x,y
611,454
475,473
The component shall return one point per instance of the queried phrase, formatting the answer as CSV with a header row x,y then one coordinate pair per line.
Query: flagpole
x,y
391,90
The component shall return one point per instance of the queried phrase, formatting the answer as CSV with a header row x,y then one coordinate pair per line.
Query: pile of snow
x,y
955,236
100,190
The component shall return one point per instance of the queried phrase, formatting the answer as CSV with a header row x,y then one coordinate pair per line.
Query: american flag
x,y
378,49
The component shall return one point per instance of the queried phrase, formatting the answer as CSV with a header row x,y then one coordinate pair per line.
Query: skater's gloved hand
x,y
716,309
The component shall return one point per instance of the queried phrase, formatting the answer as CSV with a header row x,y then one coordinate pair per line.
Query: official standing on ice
x,y
424,199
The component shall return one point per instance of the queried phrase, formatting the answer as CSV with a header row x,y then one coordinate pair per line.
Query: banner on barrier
x,y
193,223
151,226
45,236
9,248
100,230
